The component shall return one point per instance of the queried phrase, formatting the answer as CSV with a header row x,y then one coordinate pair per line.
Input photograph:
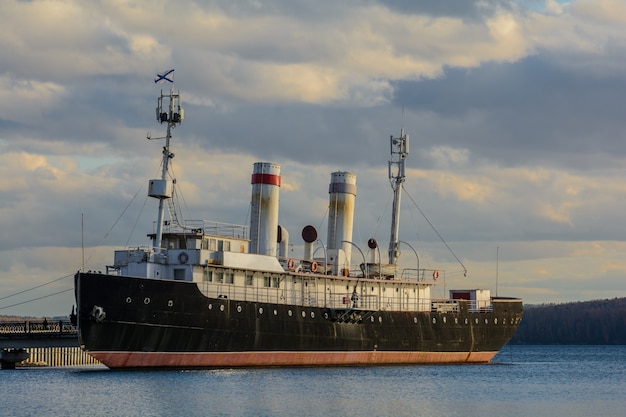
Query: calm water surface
x,y
525,381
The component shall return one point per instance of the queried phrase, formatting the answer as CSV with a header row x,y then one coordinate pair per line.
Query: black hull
x,y
130,322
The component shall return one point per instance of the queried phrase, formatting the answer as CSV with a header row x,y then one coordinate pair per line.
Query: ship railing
x,y
304,265
444,306
350,301
205,227
454,305
411,274
480,306
421,275
314,296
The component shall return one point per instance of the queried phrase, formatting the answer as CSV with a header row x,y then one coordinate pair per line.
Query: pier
x,y
41,343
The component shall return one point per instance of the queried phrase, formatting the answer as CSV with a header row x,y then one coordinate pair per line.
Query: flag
x,y
165,76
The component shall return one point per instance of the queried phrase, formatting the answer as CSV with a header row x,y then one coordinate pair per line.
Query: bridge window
x,y
179,274
230,277
267,281
249,278
219,277
207,276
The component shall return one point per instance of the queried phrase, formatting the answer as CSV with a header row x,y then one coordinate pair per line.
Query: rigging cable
x,y
121,215
130,235
117,221
34,288
382,214
70,275
38,298
435,230
178,191
325,216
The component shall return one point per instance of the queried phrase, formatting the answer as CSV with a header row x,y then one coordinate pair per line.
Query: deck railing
x,y
315,296
206,227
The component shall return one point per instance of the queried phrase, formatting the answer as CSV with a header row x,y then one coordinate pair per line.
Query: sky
x,y
514,109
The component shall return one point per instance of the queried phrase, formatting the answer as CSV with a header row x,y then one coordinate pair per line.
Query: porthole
x,y
380,319
289,313
456,320
434,320
303,313
170,303
466,320
504,321
372,319
444,319
275,312
312,314
239,309
129,300
146,300
222,307
415,320
476,320
486,321
260,310
495,320
326,316
210,306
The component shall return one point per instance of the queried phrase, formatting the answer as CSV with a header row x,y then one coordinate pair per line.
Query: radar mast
x,y
170,112
399,151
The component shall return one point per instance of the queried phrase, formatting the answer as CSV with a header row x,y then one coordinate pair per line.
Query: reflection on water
x,y
523,381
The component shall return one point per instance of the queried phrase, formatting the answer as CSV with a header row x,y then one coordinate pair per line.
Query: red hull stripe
x,y
270,179
252,359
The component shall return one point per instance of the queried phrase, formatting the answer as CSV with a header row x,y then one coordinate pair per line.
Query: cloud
x,y
514,111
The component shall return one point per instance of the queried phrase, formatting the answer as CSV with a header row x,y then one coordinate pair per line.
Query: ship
x,y
205,294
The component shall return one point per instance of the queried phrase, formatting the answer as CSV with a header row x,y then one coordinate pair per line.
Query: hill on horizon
x,y
597,322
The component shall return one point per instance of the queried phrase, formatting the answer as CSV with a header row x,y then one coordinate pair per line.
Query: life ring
x,y
314,266
291,264
183,258
435,274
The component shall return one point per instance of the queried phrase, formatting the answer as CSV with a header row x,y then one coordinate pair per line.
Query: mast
x,y
399,151
172,114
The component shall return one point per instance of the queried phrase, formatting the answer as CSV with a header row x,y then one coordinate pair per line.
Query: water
x,y
525,381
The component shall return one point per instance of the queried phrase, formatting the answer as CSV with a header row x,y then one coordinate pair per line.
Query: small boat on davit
x,y
208,294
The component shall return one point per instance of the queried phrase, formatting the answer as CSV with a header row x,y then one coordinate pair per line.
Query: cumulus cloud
x,y
514,111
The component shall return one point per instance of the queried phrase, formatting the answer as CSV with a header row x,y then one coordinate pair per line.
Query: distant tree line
x,y
600,322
